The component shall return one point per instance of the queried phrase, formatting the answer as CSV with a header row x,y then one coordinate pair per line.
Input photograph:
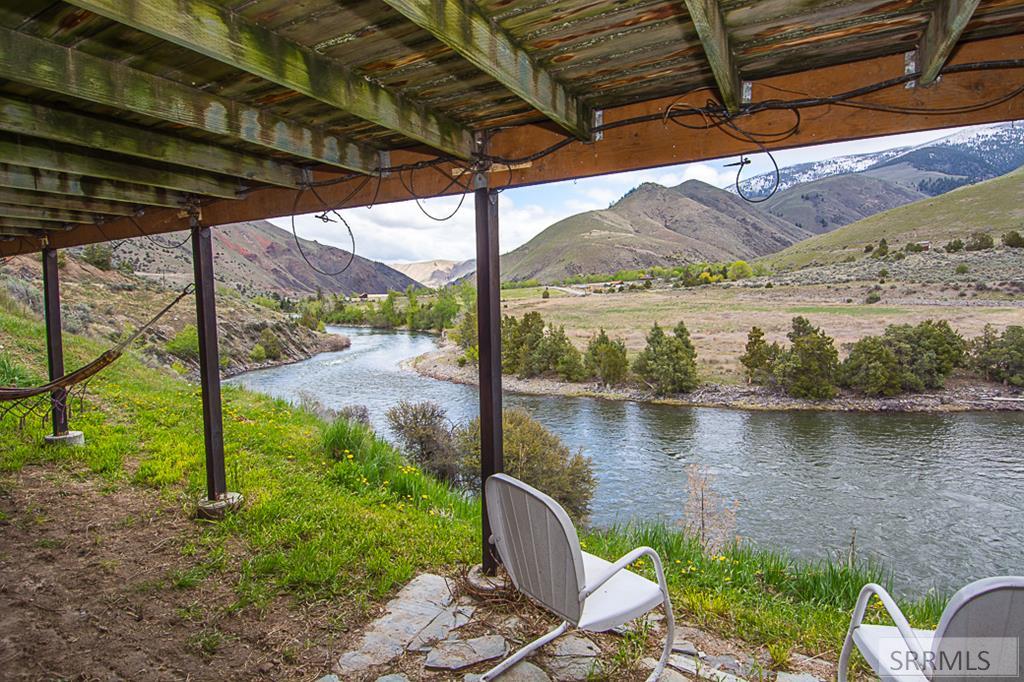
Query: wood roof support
x,y
947,22
50,156
206,27
30,224
75,185
23,118
47,214
72,72
20,197
709,22
481,41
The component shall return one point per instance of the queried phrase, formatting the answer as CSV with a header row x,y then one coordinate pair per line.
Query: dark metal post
x,y
54,340
209,365
488,296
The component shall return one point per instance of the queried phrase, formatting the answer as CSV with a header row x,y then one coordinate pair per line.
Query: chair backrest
x,y
537,543
991,607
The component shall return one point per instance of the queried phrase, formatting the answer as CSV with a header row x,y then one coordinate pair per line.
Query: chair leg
x,y
497,670
670,636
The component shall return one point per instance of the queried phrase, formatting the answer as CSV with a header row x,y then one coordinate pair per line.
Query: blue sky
x,y
401,232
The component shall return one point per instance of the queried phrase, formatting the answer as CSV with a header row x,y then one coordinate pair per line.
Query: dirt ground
x,y
91,589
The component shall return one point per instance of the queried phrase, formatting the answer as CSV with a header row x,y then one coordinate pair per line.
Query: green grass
x,y
334,512
848,309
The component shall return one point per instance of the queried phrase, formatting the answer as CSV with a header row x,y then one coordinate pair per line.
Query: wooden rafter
x,y
72,72
48,214
51,156
948,20
473,35
19,197
709,22
75,185
59,125
32,224
206,27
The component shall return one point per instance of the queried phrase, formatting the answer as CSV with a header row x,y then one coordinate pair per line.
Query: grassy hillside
x,y
994,206
651,225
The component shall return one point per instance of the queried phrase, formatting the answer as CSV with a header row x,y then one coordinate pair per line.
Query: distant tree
x,y
927,352
759,357
872,368
954,246
979,241
809,367
740,270
545,294
606,359
668,363
99,256
271,344
1000,357
1013,240
881,250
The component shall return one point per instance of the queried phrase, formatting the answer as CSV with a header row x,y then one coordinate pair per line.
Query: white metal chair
x,y
988,608
540,550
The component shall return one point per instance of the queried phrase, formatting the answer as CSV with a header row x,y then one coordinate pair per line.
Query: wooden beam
x,y
30,224
649,144
480,40
75,73
710,24
9,233
948,20
24,118
47,214
20,197
34,153
74,185
206,27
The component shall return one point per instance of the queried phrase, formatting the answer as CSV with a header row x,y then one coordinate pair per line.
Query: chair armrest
x,y
621,564
906,632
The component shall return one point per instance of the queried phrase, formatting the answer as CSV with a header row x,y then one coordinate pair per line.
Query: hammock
x,y
86,372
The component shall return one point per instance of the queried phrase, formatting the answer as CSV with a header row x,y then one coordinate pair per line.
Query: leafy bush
x,y
881,250
606,359
954,246
258,353
979,241
185,344
872,368
962,269
99,256
1000,357
1013,240
267,302
760,357
913,247
927,352
271,344
740,270
536,456
872,298
545,294
669,363
809,367
427,437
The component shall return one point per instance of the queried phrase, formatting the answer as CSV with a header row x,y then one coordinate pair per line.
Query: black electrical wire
x,y
159,243
327,209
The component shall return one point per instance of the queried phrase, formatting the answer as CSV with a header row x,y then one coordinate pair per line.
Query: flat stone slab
x,y
416,607
797,677
456,654
684,646
668,674
524,671
393,678
574,645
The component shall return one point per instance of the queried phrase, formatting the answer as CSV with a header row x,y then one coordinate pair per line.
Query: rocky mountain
x,y
436,273
652,225
965,157
259,257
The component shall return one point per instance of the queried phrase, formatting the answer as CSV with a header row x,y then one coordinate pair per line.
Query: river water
x,y
939,498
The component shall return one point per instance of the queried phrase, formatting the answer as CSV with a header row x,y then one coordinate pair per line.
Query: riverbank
x,y
960,396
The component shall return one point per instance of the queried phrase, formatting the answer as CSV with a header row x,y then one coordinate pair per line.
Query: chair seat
x,y
877,644
624,597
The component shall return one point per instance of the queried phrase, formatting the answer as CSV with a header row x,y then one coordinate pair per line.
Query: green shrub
x,y
427,437
669,363
872,298
809,367
258,353
99,256
928,352
1000,357
606,359
1013,240
868,248
979,241
267,302
881,250
536,456
954,246
883,273
962,269
740,270
872,368
271,344
760,357
913,247
545,294
185,344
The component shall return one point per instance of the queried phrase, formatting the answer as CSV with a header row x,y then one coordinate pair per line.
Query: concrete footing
x,y
219,508
69,438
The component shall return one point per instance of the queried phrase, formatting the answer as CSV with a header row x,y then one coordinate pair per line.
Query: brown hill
x,y
259,257
652,225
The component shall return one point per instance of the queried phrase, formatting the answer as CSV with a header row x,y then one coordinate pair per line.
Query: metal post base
x,y
69,438
216,510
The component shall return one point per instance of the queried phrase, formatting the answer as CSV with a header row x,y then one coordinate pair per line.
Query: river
x,y
939,498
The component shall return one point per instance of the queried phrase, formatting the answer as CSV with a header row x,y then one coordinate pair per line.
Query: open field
x,y
719,317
